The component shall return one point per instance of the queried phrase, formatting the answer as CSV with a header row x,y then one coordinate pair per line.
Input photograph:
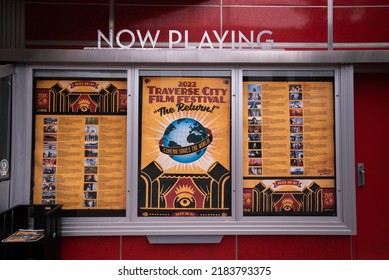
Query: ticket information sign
x,y
289,148
80,144
185,147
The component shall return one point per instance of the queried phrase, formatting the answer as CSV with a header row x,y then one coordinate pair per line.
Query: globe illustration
x,y
183,133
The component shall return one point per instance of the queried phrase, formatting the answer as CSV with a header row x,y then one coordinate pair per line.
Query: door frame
x,y
5,71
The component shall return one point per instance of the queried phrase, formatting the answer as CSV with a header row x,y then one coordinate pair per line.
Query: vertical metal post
x,y
330,25
221,16
111,24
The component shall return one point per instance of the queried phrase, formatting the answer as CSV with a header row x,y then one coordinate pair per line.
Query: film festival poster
x,y
185,147
288,151
80,143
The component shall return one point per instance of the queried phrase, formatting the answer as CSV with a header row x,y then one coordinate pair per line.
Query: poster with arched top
x,y
80,145
185,150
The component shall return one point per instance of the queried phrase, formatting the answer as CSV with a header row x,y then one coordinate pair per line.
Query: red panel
x,y
65,22
139,248
153,18
371,145
168,2
70,1
277,2
91,248
249,247
360,2
294,247
287,24
361,25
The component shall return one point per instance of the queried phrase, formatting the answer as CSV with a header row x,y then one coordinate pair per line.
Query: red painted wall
x,y
230,248
74,23
371,143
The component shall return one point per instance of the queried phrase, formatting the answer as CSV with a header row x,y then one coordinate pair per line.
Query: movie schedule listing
x,y
82,161
289,129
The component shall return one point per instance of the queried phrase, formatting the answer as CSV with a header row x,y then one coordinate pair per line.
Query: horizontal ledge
x,y
217,231
179,56
226,45
324,227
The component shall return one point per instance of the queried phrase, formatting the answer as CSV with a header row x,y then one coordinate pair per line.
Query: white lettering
x,y
220,40
233,39
249,42
132,42
206,37
187,46
269,44
101,35
179,36
126,39
153,41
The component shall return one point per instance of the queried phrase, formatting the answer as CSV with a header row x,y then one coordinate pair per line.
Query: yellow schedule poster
x,y
185,147
289,148
80,144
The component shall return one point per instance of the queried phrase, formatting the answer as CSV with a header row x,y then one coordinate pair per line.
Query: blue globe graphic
x,y
183,133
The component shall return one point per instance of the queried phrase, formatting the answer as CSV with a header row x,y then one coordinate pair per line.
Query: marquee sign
x,y
231,39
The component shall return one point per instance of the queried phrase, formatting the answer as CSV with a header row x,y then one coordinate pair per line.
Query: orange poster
x,y
80,144
289,148
185,147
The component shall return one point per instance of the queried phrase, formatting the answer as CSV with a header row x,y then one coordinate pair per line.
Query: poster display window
x,y
288,143
185,150
225,150
80,144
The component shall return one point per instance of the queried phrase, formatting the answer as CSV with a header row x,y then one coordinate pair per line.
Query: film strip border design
x,y
296,129
91,161
254,116
49,162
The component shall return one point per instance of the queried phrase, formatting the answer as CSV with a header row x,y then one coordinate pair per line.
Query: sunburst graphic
x,y
165,161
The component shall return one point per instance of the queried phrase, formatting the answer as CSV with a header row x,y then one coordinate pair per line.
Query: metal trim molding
x,y
177,56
